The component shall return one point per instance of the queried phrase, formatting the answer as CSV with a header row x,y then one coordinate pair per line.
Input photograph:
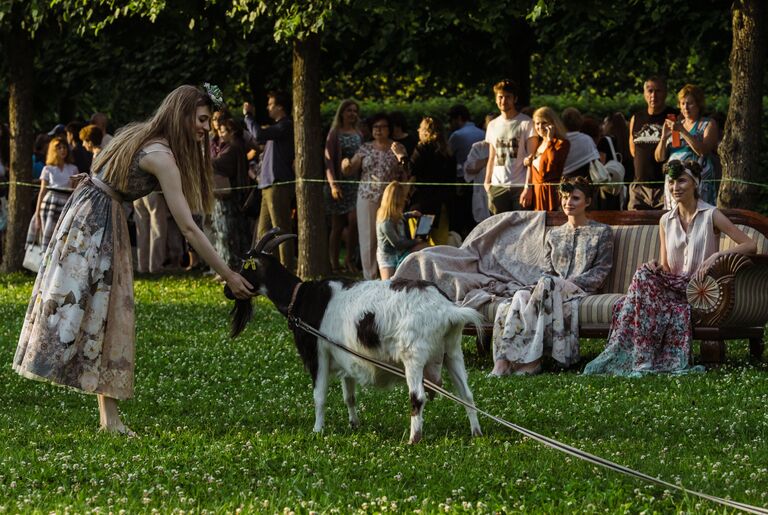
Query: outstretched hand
x,y
241,288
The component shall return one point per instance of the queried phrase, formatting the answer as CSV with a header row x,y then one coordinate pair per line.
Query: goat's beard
x,y
241,314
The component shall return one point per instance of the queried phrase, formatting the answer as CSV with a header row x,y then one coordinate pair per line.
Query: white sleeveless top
x,y
686,251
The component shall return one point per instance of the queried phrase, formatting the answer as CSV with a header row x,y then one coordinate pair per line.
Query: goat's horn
x,y
269,235
272,245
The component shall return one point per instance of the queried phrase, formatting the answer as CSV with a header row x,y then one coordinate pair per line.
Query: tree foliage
x,y
293,19
607,47
405,49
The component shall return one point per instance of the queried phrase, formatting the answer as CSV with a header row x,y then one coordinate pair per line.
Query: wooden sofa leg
x,y
712,352
480,343
756,348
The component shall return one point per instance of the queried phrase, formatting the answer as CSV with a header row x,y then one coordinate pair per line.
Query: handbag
x,y
598,173
616,172
33,250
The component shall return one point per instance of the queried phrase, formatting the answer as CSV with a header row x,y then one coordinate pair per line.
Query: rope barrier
x,y
545,440
443,184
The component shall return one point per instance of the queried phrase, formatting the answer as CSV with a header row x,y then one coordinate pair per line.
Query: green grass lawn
x,y
227,425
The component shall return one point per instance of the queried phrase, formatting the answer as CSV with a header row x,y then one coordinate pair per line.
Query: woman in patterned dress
x,y
231,231
651,329
543,320
79,328
379,162
343,140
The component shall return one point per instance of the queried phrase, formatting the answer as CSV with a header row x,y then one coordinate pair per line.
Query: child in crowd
x,y
392,243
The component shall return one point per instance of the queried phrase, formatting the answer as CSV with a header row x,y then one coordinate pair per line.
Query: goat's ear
x,y
241,314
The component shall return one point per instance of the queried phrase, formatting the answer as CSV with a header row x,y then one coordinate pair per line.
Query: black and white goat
x,y
406,323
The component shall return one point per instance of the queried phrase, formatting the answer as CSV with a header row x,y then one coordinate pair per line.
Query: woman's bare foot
x,y
122,430
501,367
109,417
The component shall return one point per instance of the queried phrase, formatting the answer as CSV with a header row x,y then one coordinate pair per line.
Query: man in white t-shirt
x,y
510,138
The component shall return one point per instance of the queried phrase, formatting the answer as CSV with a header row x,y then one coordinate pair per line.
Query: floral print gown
x,y
651,329
544,319
79,327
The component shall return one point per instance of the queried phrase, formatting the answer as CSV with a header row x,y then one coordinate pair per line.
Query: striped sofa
x,y
732,302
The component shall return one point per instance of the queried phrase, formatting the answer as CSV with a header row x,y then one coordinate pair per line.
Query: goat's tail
x,y
469,316
241,314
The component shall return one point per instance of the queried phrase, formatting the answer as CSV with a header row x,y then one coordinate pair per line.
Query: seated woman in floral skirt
x,y
544,319
651,329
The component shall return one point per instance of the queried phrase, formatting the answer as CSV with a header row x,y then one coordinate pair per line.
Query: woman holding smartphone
x,y
697,141
545,166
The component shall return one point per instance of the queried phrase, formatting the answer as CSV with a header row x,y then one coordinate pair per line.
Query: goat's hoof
x,y
317,430
477,432
354,424
416,438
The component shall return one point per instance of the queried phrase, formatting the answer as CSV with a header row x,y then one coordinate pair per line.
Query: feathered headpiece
x,y
215,94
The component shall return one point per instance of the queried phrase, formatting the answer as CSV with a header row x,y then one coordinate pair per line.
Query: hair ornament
x,y
215,94
696,180
674,169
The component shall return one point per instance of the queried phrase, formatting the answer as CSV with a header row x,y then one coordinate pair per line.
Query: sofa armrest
x,y
712,298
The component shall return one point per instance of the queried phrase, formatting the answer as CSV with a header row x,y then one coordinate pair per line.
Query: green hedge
x,y
597,106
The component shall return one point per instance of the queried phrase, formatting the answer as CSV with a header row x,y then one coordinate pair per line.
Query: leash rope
x,y
296,322
299,180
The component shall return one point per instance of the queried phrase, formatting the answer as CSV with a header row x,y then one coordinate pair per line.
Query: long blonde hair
x,y
392,202
548,115
173,121
338,119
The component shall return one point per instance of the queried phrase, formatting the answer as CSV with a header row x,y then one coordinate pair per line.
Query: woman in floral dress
x,y
651,329
543,320
379,162
231,231
344,139
79,328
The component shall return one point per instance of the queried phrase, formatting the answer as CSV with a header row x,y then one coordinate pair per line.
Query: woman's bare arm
x,y
663,249
744,244
163,166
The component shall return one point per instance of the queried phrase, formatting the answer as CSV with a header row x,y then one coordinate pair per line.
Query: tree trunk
x,y
313,237
740,148
20,198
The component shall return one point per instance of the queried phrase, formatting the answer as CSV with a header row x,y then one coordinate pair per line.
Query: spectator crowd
x,y
382,177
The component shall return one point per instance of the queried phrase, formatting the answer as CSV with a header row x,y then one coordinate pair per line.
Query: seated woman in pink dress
x,y
651,330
